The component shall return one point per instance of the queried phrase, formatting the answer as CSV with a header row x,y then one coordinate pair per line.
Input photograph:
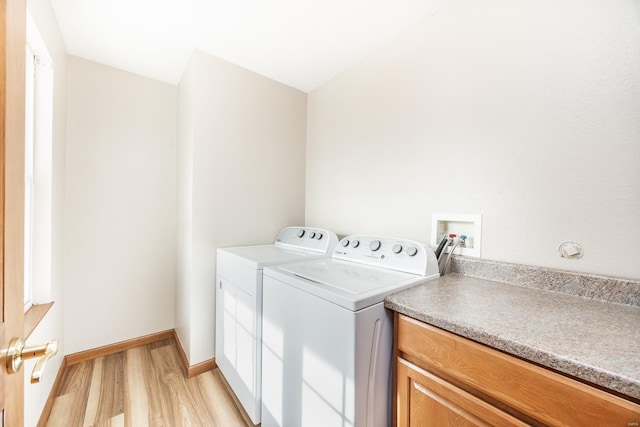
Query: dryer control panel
x,y
308,238
393,253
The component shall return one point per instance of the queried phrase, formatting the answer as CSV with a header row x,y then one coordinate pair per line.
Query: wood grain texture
x,y
192,370
429,400
106,350
57,384
518,387
142,386
229,391
12,132
199,368
33,316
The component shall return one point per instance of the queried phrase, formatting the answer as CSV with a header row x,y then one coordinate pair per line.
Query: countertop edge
x,y
611,381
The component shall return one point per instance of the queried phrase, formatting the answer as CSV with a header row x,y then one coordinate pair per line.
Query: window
x,y
38,169
28,179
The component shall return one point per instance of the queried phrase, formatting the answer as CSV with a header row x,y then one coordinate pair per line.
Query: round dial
x,y
319,236
397,249
300,232
412,251
375,245
312,234
345,243
355,243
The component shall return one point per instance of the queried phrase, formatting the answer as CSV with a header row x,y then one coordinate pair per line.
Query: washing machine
x,y
327,338
239,304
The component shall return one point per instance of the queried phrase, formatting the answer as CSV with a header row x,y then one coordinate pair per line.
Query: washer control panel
x,y
308,238
388,252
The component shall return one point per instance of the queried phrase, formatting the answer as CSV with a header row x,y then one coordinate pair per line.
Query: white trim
x,y
39,250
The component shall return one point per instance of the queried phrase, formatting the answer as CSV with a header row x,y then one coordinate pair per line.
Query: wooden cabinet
x,y
443,380
425,399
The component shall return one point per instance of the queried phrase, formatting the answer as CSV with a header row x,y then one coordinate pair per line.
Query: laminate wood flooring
x,y
143,386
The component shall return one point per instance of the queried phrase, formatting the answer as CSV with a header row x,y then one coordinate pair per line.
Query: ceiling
x,y
301,43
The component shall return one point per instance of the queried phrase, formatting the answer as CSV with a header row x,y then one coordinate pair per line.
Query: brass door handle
x,y
17,353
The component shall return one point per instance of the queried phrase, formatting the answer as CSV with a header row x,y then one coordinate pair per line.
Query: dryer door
x,y
238,343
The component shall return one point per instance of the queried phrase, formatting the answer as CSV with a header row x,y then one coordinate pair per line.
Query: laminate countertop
x,y
596,341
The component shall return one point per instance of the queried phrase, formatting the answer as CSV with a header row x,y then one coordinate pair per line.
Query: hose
x,y
453,248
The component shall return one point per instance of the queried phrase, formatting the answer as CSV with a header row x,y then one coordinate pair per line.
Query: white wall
x,y
120,248
247,149
52,325
184,164
526,112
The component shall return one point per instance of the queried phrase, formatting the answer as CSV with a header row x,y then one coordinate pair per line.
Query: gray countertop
x,y
595,341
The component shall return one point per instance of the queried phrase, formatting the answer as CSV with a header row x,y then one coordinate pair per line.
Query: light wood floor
x,y
144,386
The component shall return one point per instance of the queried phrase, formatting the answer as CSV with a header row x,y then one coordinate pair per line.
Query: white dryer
x,y
239,304
327,338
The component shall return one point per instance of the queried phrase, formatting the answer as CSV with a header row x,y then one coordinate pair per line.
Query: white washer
x,y
327,338
239,304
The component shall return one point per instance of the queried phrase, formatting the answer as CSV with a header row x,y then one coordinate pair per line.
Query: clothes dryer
x,y
239,304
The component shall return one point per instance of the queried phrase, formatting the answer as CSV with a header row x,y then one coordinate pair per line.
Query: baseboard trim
x,y
192,370
201,368
82,356
75,358
106,350
46,411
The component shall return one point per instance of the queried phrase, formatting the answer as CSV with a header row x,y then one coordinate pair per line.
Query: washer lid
x,y
349,277
350,285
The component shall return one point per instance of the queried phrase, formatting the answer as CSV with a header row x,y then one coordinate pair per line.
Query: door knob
x,y
18,352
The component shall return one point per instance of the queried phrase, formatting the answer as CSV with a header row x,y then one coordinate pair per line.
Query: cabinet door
x,y
533,392
424,399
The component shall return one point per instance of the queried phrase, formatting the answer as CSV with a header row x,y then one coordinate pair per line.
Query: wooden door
x,y
12,101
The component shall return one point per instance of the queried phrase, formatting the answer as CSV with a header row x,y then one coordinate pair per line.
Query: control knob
x,y
301,232
345,243
397,249
319,236
412,251
355,243
375,245
312,234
